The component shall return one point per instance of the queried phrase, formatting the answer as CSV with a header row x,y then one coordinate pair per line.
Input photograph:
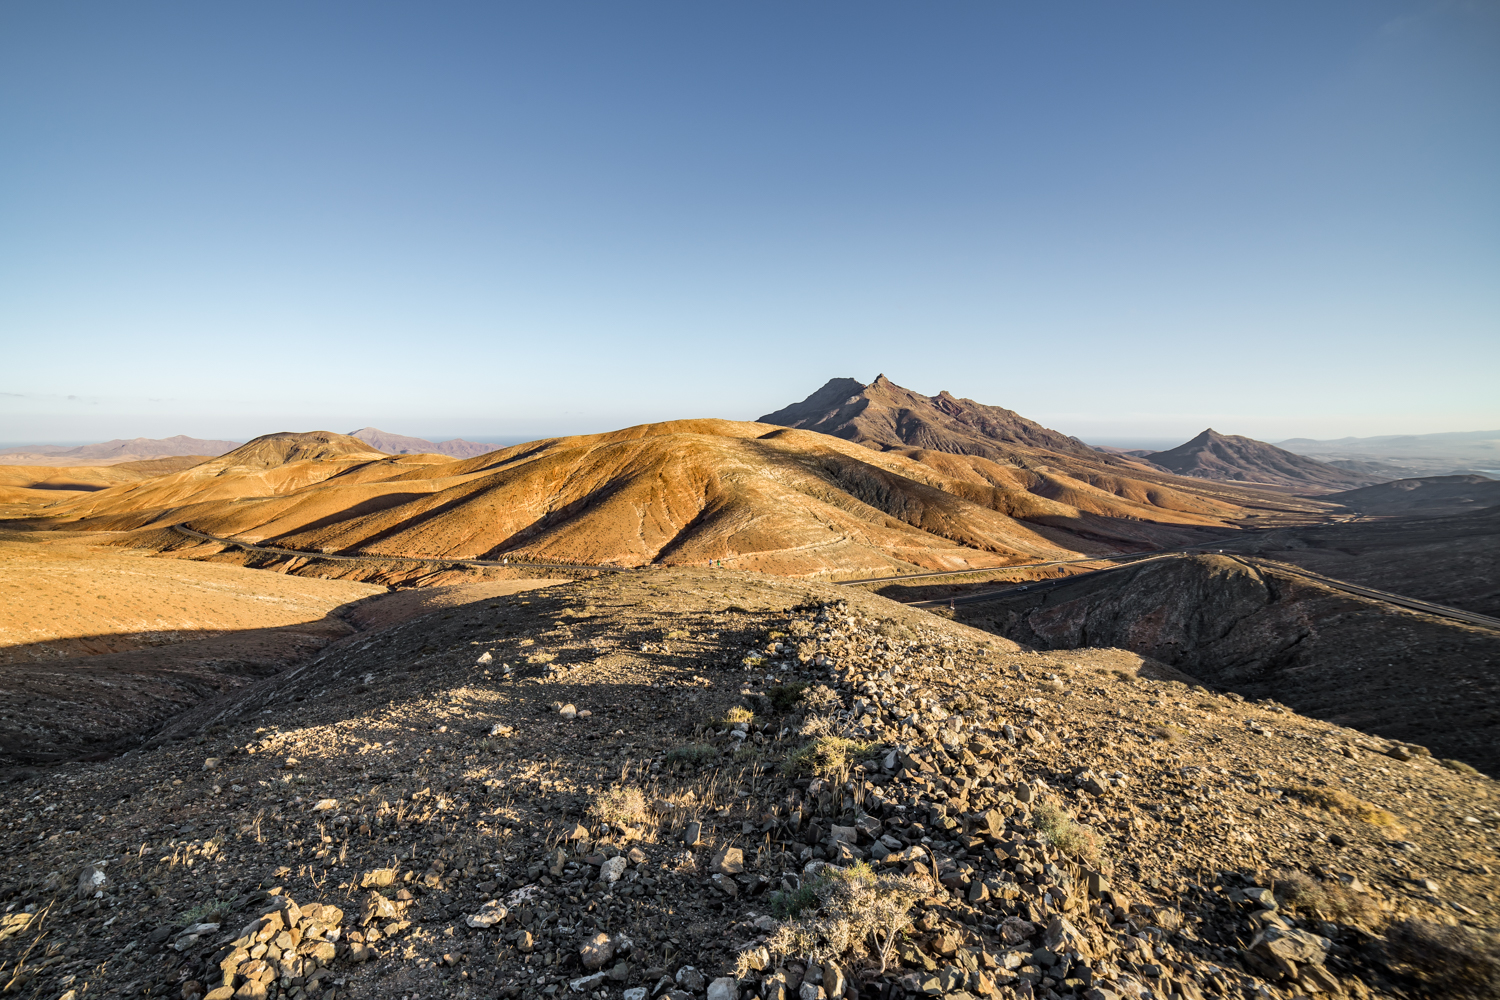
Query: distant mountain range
x,y
1457,453
400,444
112,452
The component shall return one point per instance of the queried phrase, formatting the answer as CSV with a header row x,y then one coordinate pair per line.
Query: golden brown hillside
x,y
690,492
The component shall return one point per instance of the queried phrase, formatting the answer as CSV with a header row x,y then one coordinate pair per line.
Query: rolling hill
x,y
752,495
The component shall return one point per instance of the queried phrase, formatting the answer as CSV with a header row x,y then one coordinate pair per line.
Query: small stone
x,y
325,805
726,885
612,869
91,880
636,993
568,712
584,983
1398,752
490,914
847,834
501,729
1024,792
724,988
728,861
211,763
378,878
597,950
525,943
758,957
636,855
578,832
485,658
690,979
692,835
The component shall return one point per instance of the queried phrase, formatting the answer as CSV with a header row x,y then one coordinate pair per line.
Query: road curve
x,y
337,557
1410,603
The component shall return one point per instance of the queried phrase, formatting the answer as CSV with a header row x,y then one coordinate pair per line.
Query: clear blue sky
x,y
1126,220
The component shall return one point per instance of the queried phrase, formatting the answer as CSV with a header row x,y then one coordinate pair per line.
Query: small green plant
x,y
208,912
773,635
623,804
747,752
738,713
1058,828
785,905
784,696
692,754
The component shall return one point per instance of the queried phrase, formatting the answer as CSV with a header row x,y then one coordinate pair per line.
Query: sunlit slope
x,y
760,497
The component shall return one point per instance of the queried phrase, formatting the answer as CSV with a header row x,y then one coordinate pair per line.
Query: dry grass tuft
x,y
621,804
827,756
1459,767
1169,733
853,912
1330,900
1058,828
1343,804
1454,961
738,713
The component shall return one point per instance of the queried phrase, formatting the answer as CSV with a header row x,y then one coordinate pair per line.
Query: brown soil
x,y
100,646
380,757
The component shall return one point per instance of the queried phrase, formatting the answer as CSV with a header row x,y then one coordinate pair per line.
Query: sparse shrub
x,y
1123,675
692,754
1171,734
827,756
773,635
621,804
855,912
1058,828
1454,961
1459,767
1331,900
1344,804
207,913
746,752
784,696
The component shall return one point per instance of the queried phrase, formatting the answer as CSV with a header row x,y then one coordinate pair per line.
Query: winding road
x,y
1410,603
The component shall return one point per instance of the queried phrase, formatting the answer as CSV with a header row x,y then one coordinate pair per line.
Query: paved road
x,y
1412,603
487,563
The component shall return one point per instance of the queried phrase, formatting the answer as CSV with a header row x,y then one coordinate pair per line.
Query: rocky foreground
x,y
726,787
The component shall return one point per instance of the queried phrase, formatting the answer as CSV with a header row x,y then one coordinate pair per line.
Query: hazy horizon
x,y
1125,223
